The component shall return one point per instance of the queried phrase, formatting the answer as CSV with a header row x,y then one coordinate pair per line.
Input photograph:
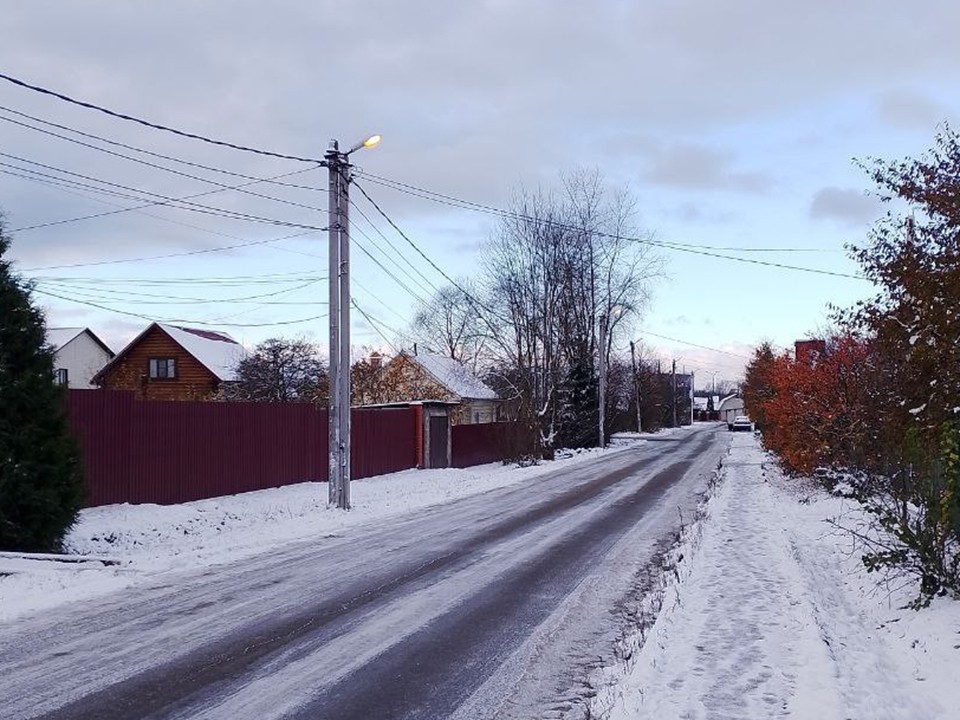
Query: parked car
x,y
741,422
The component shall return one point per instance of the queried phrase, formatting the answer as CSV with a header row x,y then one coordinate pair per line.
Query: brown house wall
x,y
404,381
132,371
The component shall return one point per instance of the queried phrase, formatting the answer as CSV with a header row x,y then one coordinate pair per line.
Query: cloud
x,y
702,168
905,108
852,207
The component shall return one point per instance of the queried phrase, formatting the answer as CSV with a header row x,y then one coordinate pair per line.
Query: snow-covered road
x,y
496,605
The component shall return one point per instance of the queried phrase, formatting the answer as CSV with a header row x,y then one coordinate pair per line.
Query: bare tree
x,y
282,370
556,266
449,324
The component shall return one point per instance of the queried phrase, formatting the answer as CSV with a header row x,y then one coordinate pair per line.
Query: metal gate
x,y
439,441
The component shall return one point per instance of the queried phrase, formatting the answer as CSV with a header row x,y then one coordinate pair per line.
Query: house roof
x,y
733,400
58,337
454,376
216,351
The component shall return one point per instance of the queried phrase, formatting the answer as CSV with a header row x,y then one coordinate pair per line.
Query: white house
x,y
80,356
730,407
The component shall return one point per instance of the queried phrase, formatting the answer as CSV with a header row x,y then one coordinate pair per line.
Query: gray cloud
x,y
910,109
701,168
471,99
844,205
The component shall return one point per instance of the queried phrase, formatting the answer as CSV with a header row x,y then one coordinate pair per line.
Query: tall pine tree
x,y
41,486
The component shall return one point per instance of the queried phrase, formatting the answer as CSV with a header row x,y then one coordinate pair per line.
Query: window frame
x,y
168,365
62,377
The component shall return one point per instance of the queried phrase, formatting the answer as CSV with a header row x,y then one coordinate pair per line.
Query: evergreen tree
x,y
41,486
578,414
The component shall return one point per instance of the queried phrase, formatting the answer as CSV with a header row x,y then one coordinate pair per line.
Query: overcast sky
x,y
734,124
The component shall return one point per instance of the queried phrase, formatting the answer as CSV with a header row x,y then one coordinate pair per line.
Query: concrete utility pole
x,y
602,365
673,375
691,398
338,203
636,384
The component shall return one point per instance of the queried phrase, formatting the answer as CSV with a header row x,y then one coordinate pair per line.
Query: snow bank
x,y
773,616
151,539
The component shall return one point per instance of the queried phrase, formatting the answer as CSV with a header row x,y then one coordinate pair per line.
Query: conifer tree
x,y
41,485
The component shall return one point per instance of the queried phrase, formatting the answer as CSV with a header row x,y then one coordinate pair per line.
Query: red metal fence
x,y
141,451
478,444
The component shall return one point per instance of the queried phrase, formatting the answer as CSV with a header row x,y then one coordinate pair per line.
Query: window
x,y
163,368
62,377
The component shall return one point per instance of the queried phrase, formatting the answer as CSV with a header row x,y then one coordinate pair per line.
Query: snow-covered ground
x,y
141,541
773,616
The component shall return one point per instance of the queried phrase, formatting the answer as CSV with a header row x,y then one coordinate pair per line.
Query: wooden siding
x,y
405,381
131,372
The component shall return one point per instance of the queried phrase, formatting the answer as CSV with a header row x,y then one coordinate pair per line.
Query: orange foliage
x,y
817,413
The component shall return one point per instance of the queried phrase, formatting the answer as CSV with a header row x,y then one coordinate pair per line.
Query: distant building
x,y
730,407
80,355
166,362
809,351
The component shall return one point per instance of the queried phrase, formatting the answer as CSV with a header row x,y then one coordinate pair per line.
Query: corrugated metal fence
x,y
142,451
478,444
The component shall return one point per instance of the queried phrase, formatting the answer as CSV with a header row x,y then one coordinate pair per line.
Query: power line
x,y
421,252
376,324
130,296
186,253
177,203
477,306
157,126
380,265
147,163
178,320
705,250
396,250
161,156
693,344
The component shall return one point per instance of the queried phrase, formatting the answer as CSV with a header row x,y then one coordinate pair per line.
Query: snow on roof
x,y
216,351
58,337
454,376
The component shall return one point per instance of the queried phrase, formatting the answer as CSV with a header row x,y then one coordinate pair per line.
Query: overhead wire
x,y
693,344
376,325
704,250
178,203
238,188
175,320
162,156
156,126
396,250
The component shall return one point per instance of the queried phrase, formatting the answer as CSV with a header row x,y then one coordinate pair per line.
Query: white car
x,y
741,422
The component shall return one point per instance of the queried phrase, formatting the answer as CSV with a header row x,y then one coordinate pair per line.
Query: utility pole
x,y
339,248
691,398
338,233
334,479
602,365
636,384
673,375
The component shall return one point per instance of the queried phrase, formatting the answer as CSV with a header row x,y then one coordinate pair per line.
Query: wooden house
x,y
415,377
166,362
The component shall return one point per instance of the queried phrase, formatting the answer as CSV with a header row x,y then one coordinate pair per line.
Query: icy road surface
x,y
497,605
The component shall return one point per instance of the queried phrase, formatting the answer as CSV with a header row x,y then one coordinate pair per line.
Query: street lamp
x,y
338,229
